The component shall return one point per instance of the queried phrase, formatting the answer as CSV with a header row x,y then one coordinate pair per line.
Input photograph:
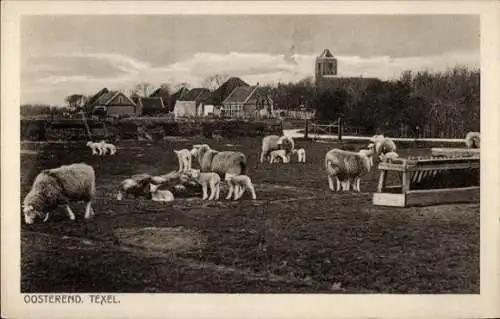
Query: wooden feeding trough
x,y
448,176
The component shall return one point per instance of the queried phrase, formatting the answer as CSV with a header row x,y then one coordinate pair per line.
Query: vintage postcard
x,y
250,159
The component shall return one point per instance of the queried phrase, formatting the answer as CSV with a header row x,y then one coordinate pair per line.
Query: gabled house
x,y
150,105
192,103
248,101
111,103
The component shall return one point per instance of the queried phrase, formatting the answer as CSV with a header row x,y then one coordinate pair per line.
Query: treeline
x,y
421,104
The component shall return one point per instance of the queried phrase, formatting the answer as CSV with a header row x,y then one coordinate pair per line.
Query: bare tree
x,y
143,89
76,101
213,82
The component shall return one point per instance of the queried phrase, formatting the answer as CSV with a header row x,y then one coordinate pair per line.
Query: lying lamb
x,y
158,195
301,155
274,142
52,187
184,158
274,155
473,140
136,186
206,179
346,166
238,185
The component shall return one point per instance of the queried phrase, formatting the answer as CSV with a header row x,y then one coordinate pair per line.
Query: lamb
x,y
160,195
301,155
346,166
274,155
206,179
96,147
382,145
472,140
240,183
184,157
105,147
275,142
62,185
389,157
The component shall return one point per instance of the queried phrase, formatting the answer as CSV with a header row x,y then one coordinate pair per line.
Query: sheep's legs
x,y
231,189
238,191
119,196
358,181
89,212
252,190
46,217
330,183
205,193
213,191
70,213
217,191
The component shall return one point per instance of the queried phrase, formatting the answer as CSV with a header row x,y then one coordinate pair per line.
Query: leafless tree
x,y
213,82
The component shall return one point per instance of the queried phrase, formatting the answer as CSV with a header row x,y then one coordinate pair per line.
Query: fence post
x,y
340,128
306,132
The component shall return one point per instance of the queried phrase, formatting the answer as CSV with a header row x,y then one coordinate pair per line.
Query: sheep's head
x,y
153,187
31,214
193,173
228,176
89,143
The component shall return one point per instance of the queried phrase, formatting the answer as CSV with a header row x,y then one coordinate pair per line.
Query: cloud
x,y
86,73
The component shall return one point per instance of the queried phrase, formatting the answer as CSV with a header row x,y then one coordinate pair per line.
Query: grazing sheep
x,y
96,147
184,157
136,186
389,157
274,155
239,183
160,195
301,155
206,179
346,166
274,142
52,187
472,140
382,145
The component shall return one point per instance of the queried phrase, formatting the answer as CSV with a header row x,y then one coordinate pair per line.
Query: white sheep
x,y
62,185
105,147
382,145
184,158
96,147
158,195
220,162
473,140
274,155
206,179
389,157
346,166
275,142
301,155
136,186
240,184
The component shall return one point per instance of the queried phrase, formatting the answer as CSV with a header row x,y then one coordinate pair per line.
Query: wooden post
x,y
339,125
89,133
381,181
306,132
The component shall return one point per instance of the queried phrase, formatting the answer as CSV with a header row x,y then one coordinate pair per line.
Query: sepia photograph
x,y
241,153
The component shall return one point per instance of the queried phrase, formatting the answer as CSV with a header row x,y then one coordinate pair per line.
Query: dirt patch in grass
x,y
165,239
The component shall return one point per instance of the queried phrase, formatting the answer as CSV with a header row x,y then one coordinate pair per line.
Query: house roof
x,y
241,94
151,102
92,100
106,98
326,54
219,95
196,94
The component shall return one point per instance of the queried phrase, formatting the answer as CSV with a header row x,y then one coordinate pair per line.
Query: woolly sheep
x,y
472,140
301,155
382,145
184,158
346,166
105,147
274,155
207,179
274,142
62,185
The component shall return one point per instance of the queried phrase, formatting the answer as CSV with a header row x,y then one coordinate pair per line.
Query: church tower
x,y
326,65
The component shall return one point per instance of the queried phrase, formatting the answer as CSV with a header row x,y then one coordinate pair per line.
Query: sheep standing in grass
x,y
105,147
62,185
472,140
95,147
382,145
301,155
274,142
346,166
184,158
220,162
274,155
240,184
207,179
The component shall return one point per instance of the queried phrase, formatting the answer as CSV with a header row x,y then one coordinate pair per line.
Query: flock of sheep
x,y
76,182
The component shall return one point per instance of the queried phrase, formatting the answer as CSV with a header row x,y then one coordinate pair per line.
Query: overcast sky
x,y
62,55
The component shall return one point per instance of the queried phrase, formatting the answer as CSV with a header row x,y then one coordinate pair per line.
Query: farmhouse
x,y
192,103
150,105
248,101
111,103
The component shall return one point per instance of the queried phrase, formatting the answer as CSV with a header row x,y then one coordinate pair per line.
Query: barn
x,y
248,101
151,105
111,103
